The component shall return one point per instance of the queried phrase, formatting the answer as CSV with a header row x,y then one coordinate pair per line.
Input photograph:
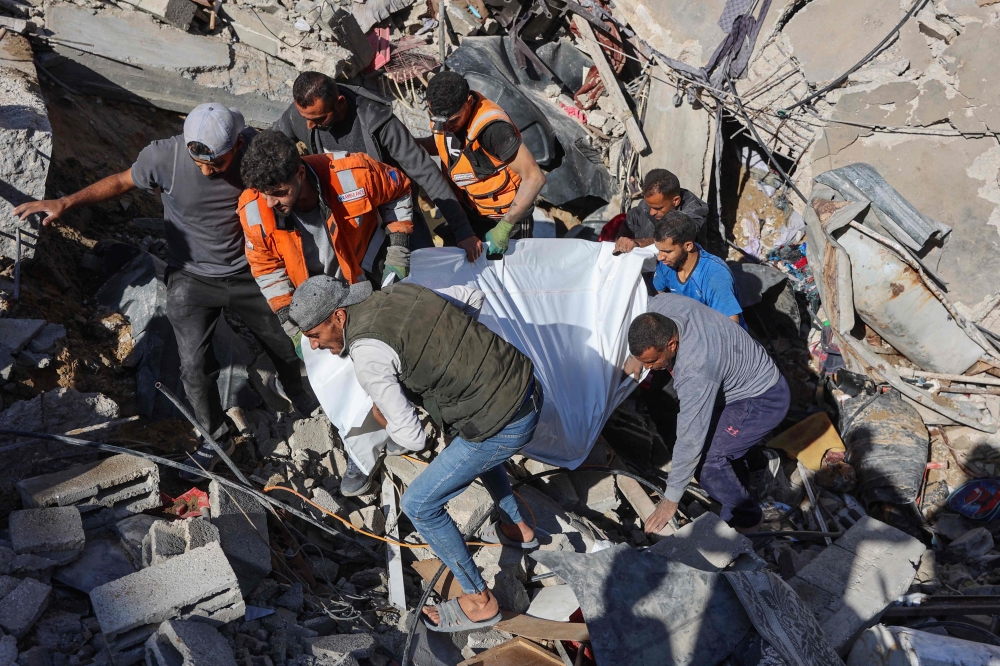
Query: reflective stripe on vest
x,y
350,188
253,216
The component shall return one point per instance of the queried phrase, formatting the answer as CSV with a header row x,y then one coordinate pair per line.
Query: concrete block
x,y
337,646
22,607
596,118
7,585
188,643
104,491
199,584
172,538
8,651
250,28
132,531
461,19
178,13
15,334
706,543
47,339
597,491
314,436
932,27
20,26
369,518
245,542
850,584
25,146
47,530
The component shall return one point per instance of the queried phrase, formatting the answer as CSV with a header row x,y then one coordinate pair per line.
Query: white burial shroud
x,y
567,304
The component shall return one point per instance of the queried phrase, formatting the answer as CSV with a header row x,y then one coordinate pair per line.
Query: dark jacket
x,y
387,140
639,223
471,380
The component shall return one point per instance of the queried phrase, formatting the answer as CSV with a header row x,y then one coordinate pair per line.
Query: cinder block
x,y
132,531
852,582
172,538
188,643
47,530
199,584
245,542
334,647
22,607
104,491
15,334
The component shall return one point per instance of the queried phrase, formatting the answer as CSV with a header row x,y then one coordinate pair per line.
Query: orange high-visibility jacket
x,y
357,190
489,185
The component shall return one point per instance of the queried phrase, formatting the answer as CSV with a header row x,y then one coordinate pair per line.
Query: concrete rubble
x,y
872,525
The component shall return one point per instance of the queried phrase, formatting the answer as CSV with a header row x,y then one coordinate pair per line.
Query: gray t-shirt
x,y
203,231
641,223
716,359
317,248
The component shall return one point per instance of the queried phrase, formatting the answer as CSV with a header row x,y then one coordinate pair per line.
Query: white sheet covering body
x,y
567,304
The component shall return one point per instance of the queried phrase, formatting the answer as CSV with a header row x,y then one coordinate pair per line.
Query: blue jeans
x,y
452,472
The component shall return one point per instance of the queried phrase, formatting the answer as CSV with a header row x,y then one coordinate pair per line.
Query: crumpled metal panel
x,y
861,182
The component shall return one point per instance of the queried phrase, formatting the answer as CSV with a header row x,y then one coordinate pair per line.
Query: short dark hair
x,y
198,148
661,181
271,161
676,226
650,330
310,86
446,93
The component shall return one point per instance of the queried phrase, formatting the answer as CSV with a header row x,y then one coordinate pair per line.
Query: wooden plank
x,y
446,586
590,44
515,652
393,556
547,630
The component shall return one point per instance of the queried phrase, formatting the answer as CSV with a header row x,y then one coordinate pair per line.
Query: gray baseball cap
x,y
316,299
215,126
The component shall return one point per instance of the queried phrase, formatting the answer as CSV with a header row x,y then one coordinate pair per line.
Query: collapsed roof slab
x,y
162,66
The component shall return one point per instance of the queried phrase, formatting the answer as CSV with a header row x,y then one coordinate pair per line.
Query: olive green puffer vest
x,y
471,380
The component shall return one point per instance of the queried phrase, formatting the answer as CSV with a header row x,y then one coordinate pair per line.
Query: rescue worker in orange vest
x,y
337,214
482,153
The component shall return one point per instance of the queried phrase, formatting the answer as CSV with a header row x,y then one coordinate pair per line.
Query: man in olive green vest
x,y
407,339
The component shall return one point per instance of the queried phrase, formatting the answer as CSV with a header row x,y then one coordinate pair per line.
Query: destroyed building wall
x,y
25,144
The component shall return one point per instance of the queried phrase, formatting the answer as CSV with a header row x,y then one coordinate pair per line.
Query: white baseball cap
x,y
215,126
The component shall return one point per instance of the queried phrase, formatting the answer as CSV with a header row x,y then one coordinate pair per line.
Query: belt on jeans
x,y
529,401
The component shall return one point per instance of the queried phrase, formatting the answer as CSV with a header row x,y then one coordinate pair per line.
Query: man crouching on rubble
x,y
407,339
731,396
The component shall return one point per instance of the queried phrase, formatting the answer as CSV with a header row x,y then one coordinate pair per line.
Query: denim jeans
x,y
452,472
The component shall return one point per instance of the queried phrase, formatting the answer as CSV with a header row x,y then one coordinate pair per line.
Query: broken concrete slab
x,y
8,651
556,603
199,584
641,608
188,643
25,144
47,339
337,646
706,543
826,45
167,539
48,531
242,524
22,607
105,491
850,584
15,334
103,560
151,44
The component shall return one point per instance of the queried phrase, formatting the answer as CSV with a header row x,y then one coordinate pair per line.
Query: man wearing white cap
x,y
198,177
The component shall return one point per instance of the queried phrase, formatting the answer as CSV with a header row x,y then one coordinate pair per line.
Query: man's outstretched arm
x,y
104,189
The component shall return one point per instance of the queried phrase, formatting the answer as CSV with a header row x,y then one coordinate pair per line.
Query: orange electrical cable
x,y
366,532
